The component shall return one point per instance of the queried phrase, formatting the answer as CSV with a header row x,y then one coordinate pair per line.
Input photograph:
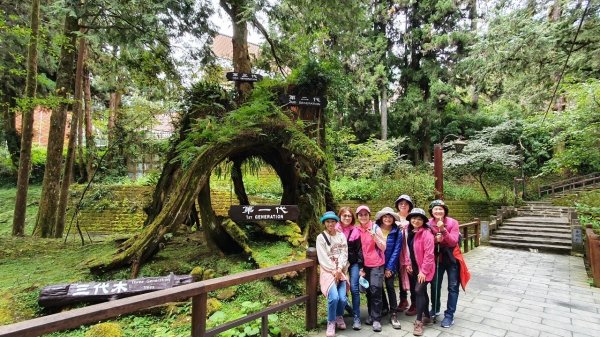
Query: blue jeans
x,y
336,301
354,289
451,268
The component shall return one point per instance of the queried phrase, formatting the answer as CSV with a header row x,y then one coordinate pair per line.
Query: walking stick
x,y
437,277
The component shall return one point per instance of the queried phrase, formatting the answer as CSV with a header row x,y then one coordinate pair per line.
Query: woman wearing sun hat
x,y
404,205
332,251
386,219
422,267
373,248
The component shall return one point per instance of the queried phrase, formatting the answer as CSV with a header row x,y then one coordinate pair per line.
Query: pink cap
x,y
363,207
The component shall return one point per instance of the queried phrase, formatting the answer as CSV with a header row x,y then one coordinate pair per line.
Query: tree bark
x,y
384,114
480,180
56,138
89,132
69,162
238,182
18,228
241,57
13,138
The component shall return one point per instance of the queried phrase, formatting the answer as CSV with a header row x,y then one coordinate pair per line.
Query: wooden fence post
x,y
199,307
311,290
466,239
477,232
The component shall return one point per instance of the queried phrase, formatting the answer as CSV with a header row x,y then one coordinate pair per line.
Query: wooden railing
x,y
569,184
198,291
471,234
592,253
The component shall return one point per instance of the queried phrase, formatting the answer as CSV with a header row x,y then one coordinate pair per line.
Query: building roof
x,y
223,48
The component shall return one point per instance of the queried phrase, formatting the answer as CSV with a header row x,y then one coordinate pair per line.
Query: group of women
x,y
370,255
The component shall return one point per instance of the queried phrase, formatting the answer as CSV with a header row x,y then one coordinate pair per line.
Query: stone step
x,y
536,229
535,219
561,249
540,240
535,233
563,225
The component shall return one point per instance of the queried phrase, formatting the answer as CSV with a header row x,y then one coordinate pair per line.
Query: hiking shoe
x,y
447,322
427,320
356,325
376,326
394,321
369,321
412,310
418,330
403,305
339,323
330,329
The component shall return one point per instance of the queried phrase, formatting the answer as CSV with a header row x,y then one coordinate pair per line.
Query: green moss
x,y
105,330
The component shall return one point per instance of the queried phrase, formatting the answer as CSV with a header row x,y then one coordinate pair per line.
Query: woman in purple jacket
x,y
422,267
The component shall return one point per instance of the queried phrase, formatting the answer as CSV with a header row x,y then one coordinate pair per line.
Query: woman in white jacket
x,y
332,251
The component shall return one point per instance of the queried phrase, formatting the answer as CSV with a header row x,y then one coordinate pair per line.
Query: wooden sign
x,y
315,101
262,212
243,77
64,294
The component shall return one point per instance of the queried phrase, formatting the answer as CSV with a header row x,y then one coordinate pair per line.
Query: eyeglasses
x,y
347,216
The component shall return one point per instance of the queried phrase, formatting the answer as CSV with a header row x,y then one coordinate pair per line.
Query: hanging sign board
x,y
262,212
314,101
243,77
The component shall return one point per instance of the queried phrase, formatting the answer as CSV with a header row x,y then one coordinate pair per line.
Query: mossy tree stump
x,y
208,137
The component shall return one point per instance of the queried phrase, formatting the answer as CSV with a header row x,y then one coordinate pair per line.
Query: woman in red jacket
x,y
422,266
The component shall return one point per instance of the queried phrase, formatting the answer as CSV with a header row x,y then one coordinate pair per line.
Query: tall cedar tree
x,y
47,213
18,228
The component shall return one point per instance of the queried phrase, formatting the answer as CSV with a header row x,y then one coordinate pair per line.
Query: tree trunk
x,y
89,132
13,138
426,148
69,162
238,182
241,57
480,180
384,116
113,112
56,138
18,228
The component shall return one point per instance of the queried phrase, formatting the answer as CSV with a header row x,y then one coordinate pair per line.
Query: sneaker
x,y
427,320
433,314
369,321
330,329
376,326
356,325
394,321
339,323
418,331
412,310
403,305
447,322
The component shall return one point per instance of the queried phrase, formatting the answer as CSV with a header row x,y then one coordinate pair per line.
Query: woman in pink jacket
x,y
373,247
422,266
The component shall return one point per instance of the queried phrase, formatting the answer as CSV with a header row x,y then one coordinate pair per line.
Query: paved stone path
x,y
513,293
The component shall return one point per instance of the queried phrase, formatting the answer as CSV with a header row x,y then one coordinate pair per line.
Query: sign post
x,y
263,212
314,101
243,77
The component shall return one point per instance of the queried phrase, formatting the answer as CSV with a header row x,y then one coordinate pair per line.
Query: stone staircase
x,y
537,226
